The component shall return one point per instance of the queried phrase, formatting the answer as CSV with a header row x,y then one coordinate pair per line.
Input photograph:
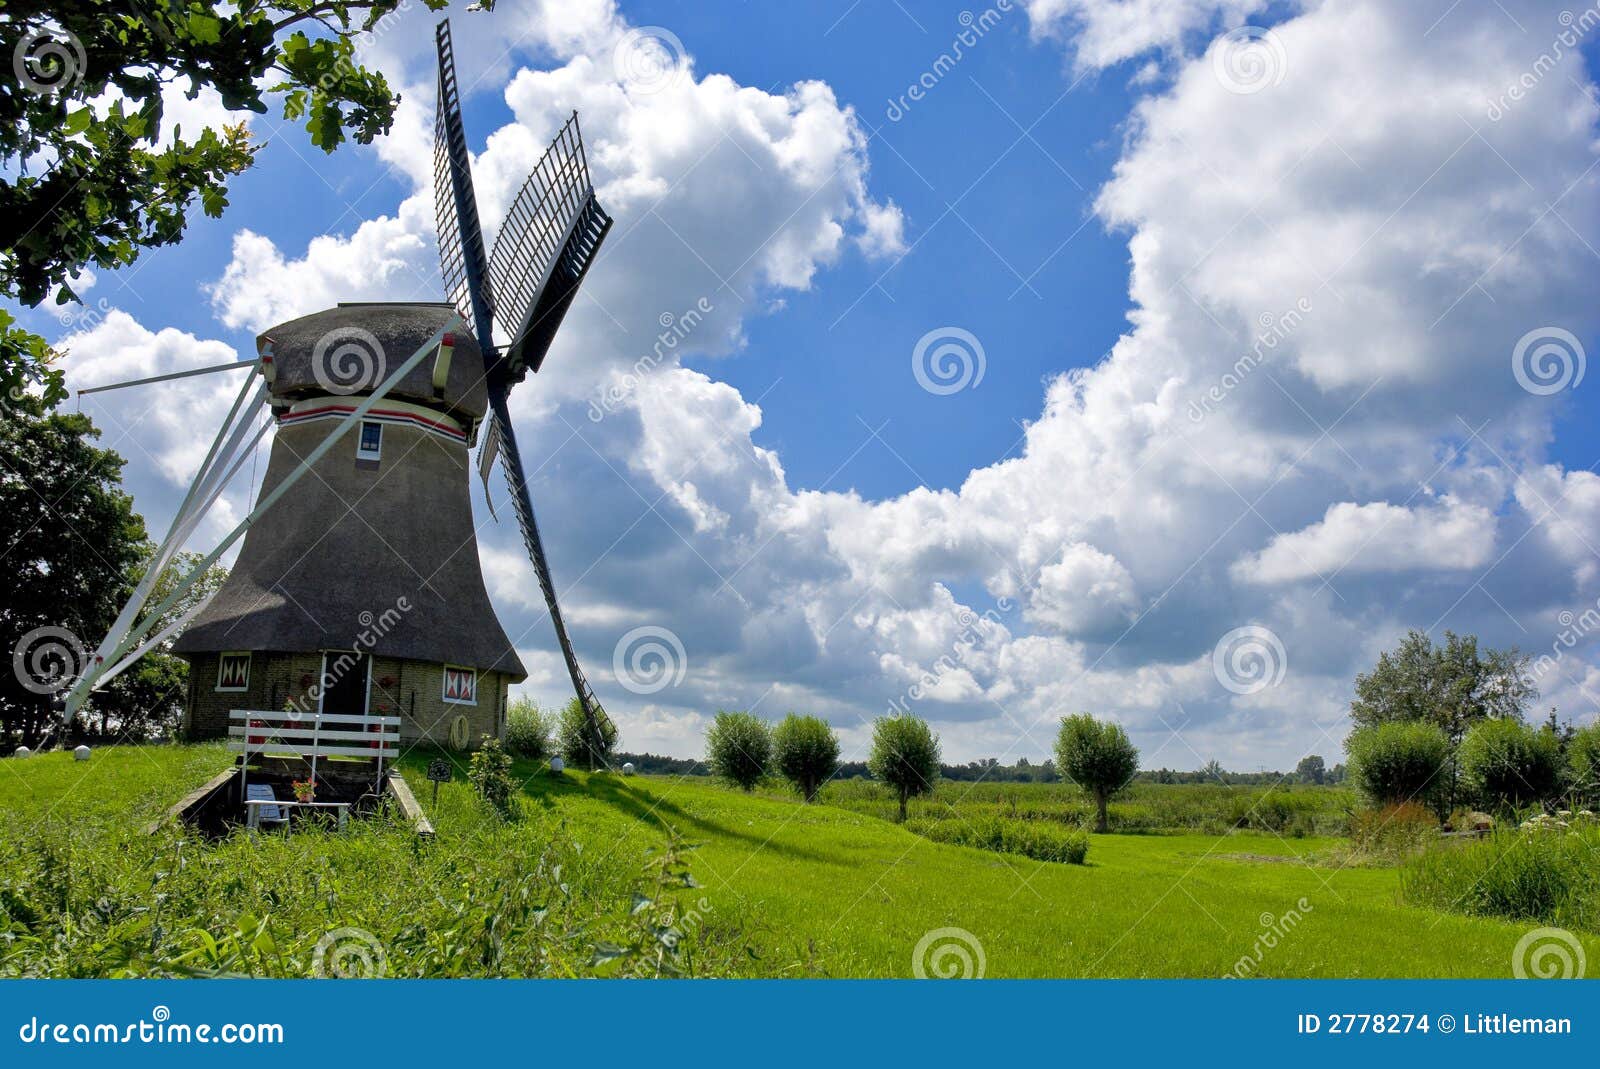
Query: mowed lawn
x,y
823,891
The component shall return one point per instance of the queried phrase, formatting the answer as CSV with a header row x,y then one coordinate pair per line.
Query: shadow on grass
x,y
542,787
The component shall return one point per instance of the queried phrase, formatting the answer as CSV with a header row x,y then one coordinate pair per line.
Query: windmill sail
x,y
548,240
546,245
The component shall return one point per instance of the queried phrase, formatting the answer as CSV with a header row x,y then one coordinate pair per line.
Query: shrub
x,y
528,730
1506,764
1399,762
490,775
806,752
1098,758
905,755
1583,764
1547,876
572,737
738,747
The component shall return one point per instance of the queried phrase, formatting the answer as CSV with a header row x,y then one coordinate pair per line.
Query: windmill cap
x,y
351,348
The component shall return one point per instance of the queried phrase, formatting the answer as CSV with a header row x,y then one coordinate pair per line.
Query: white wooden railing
x,y
312,736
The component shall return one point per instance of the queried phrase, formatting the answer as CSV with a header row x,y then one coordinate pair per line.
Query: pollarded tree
x,y
738,747
905,756
806,752
1401,761
1098,757
1506,763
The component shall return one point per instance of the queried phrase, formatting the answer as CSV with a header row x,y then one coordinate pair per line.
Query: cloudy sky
x,y
1165,359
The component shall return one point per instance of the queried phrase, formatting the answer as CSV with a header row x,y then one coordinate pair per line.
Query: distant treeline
x,y
991,770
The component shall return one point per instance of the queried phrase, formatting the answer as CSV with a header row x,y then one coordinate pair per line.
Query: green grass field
x,y
783,889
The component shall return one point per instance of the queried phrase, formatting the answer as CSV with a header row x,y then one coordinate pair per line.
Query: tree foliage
x,y
1400,761
1098,757
738,747
572,737
71,543
805,751
1583,764
529,730
1452,686
1312,769
1506,763
90,175
905,755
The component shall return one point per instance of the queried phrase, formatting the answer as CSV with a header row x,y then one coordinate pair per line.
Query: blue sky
x,y
1113,211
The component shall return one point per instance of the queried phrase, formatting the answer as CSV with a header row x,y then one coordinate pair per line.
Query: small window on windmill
x,y
460,686
370,446
233,672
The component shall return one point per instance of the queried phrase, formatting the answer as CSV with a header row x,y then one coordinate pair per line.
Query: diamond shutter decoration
x,y
460,686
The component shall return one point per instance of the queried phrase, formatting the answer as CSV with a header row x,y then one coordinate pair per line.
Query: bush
x,y
528,730
805,751
1399,762
1507,764
1546,876
572,736
1030,838
905,755
490,775
738,747
1098,758
1583,764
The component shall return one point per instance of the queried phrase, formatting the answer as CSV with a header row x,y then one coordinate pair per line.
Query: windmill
x,y
389,522
525,285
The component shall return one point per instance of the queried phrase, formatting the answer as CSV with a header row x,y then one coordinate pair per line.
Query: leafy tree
x,y
1583,763
1452,686
528,729
1506,763
572,738
489,772
96,184
1311,769
1400,761
1098,757
905,755
738,747
71,543
806,752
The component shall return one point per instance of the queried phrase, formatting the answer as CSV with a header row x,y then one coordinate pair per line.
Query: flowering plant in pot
x,y
305,790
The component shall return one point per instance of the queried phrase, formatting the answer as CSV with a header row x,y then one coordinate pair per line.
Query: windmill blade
x,y
550,237
486,455
511,461
461,257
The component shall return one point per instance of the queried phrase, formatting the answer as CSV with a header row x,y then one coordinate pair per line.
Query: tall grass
x,y
1547,876
1146,808
1040,840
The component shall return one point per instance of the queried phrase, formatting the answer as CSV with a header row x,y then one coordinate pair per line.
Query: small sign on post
x,y
438,772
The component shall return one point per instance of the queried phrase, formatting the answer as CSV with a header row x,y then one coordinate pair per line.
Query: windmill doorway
x,y
346,680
